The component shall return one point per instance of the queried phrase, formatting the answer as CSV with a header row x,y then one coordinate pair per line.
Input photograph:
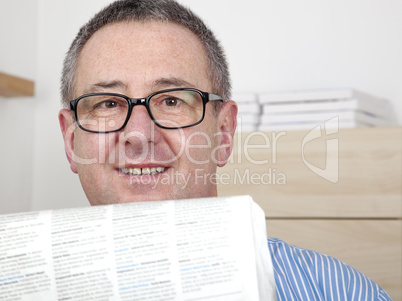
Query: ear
x,y
67,125
227,121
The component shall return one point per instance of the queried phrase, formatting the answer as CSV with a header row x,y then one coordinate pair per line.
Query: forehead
x,y
140,53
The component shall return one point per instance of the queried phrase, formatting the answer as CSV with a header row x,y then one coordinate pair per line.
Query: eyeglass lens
x,y
173,109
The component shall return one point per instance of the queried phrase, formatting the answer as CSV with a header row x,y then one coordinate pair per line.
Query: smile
x,y
142,171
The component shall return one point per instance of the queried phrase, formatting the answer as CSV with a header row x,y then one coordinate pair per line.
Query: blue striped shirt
x,y
302,274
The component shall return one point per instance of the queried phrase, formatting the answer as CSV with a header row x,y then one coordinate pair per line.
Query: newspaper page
x,y
198,249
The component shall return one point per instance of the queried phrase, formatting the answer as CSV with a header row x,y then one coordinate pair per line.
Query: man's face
x,y
137,59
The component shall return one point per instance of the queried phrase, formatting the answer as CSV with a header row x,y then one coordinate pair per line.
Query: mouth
x,y
136,171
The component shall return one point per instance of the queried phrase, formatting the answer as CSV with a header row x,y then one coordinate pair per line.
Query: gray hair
x,y
141,11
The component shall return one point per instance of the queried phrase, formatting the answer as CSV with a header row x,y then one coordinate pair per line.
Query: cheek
x,y
176,141
199,147
84,146
199,143
93,148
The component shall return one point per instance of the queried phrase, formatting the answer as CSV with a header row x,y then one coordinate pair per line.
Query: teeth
x,y
142,171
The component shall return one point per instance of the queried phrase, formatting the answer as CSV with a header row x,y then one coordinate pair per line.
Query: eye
x,y
110,104
106,104
171,102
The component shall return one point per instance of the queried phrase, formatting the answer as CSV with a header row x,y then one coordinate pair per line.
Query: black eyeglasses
x,y
169,109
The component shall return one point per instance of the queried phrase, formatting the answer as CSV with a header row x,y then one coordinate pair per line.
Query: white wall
x,y
18,34
271,45
55,186
291,44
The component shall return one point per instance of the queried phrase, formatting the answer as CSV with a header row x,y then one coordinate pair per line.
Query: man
x,y
146,92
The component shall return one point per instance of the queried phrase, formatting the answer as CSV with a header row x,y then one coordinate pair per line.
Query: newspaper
x,y
199,249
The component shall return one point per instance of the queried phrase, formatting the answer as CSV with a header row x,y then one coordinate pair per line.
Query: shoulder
x,y
315,276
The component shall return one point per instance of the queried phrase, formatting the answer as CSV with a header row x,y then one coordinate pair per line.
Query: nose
x,y
140,132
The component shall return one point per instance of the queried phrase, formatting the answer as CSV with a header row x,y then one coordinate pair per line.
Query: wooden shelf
x,y
12,86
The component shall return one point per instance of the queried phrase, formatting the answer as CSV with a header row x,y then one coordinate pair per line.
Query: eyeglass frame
x,y
132,102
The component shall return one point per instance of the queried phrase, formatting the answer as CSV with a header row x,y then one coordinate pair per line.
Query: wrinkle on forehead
x,y
154,53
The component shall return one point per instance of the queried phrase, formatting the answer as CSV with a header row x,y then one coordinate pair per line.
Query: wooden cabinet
x,y
339,193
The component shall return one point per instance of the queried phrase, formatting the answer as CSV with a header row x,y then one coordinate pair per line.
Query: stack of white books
x,y
249,111
308,109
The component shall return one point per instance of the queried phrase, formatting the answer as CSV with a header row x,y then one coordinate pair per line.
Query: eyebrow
x,y
106,85
160,83
175,82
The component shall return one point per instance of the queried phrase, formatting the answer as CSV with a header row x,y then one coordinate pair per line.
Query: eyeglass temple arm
x,y
215,97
